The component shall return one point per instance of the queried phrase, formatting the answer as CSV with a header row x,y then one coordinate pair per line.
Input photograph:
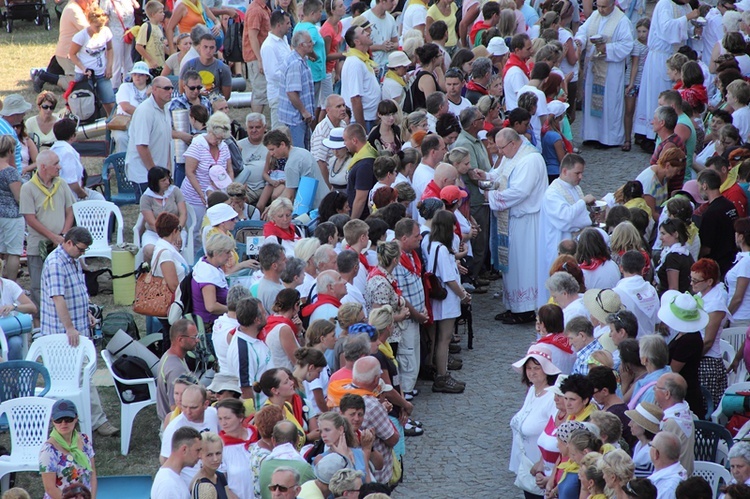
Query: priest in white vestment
x,y
520,181
564,213
603,104
670,28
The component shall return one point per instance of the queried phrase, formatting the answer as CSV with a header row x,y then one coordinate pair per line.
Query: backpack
x,y
183,299
115,321
233,42
235,154
82,101
133,52
408,105
129,367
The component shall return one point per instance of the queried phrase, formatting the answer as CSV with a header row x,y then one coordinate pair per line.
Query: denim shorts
x,y
104,90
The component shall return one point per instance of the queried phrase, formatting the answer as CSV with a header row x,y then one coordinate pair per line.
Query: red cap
x,y
451,194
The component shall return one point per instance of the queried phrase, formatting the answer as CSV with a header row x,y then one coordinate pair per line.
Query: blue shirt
x,y
548,152
297,78
317,67
63,276
7,129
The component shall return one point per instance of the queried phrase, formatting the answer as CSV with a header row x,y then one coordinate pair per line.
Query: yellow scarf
x,y
387,350
195,7
731,179
371,65
48,203
584,414
568,467
638,203
692,232
366,152
418,2
393,76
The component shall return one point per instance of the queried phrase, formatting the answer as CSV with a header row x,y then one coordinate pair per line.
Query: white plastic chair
x,y
128,411
28,419
736,337
718,417
70,370
95,216
713,473
727,352
138,228
3,347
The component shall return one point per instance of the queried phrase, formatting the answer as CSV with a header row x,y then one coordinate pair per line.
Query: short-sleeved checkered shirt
x,y
581,365
297,78
63,276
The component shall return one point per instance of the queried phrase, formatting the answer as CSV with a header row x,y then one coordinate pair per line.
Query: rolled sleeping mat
x,y
123,344
95,129
239,84
13,325
123,278
240,99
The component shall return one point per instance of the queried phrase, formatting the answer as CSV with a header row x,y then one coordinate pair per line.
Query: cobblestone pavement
x,y
465,449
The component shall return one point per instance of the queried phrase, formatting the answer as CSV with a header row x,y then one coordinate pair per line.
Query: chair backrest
x,y
63,362
715,474
138,228
727,352
189,251
124,186
18,378
707,438
735,336
28,419
248,228
709,402
109,164
95,216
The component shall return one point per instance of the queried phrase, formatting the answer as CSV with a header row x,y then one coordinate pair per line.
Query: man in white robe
x,y
520,180
669,30
564,214
603,105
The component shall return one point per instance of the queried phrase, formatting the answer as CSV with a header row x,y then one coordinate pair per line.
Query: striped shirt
x,y
199,150
62,276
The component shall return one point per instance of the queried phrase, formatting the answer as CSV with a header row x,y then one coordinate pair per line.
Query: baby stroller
x,y
26,10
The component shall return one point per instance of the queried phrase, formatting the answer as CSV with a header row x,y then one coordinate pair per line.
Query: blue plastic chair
x,y
18,378
112,487
125,190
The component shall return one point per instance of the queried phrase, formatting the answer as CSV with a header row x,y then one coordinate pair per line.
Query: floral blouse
x,y
52,460
379,291
257,455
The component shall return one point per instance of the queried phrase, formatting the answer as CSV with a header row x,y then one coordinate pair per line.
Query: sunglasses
x,y
47,106
274,487
169,88
193,89
66,419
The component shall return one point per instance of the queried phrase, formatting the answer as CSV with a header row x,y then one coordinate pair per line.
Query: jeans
x,y
179,174
300,135
15,347
139,190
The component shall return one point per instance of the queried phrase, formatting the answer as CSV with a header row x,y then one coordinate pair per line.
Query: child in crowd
x,y
633,76
151,42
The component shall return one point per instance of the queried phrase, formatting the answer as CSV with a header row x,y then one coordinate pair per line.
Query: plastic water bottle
x,y
98,333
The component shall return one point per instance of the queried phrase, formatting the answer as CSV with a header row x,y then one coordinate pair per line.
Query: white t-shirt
x,y
319,383
541,109
421,177
740,269
130,94
222,326
457,108
606,276
446,271
741,121
210,423
254,160
715,301
93,53
169,485
164,251
358,81
71,168
278,354
383,30
513,80
415,15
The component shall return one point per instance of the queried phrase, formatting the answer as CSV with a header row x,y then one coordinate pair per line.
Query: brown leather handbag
x,y
152,295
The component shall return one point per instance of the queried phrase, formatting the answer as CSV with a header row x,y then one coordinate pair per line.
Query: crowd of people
x,y
400,156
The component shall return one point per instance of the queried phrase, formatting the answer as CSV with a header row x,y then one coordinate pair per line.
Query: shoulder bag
x,y
435,288
152,295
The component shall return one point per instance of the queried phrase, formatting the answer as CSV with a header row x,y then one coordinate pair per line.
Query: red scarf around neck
x,y
230,440
594,264
391,280
413,264
362,259
271,229
471,85
515,61
323,299
557,339
272,322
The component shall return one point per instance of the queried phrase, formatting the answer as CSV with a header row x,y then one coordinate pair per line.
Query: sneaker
x,y
454,348
454,364
446,384
468,287
107,430
459,383
408,396
38,83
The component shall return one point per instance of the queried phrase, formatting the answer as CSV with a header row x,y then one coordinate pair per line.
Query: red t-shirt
x,y
737,196
327,30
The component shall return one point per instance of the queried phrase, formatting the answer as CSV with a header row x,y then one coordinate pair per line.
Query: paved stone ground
x,y
465,449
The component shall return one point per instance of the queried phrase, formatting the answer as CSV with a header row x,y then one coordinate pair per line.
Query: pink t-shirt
x,y
335,34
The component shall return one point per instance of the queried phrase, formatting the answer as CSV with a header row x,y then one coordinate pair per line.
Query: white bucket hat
x,y
220,213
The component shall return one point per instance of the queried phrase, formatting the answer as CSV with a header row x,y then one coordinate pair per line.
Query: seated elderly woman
x,y
654,354
644,424
209,284
739,462
68,456
279,228
565,291
221,219
293,274
162,196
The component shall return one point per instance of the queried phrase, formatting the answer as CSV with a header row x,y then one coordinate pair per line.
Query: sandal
x,y
626,146
412,431
524,318
505,315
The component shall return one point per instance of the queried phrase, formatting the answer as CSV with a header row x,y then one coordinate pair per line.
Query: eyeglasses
x,y
503,147
66,419
281,488
193,89
82,250
697,281
169,88
657,387
47,106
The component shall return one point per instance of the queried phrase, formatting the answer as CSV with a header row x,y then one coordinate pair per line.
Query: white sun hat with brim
x,y
543,355
335,139
682,312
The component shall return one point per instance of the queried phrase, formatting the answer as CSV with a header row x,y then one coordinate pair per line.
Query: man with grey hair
x,y
336,117
670,392
668,472
663,125
346,480
472,122
564,288
365,381
331,289
297,94
272,263
521,182
65,308
347,263
285,483
325,258
481,72
226,323
254,155
274,51
283,460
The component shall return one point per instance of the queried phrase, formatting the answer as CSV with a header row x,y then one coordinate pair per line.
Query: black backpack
x,y
82,102
183,299
115,321
133,52
235,154
129,367
233,42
